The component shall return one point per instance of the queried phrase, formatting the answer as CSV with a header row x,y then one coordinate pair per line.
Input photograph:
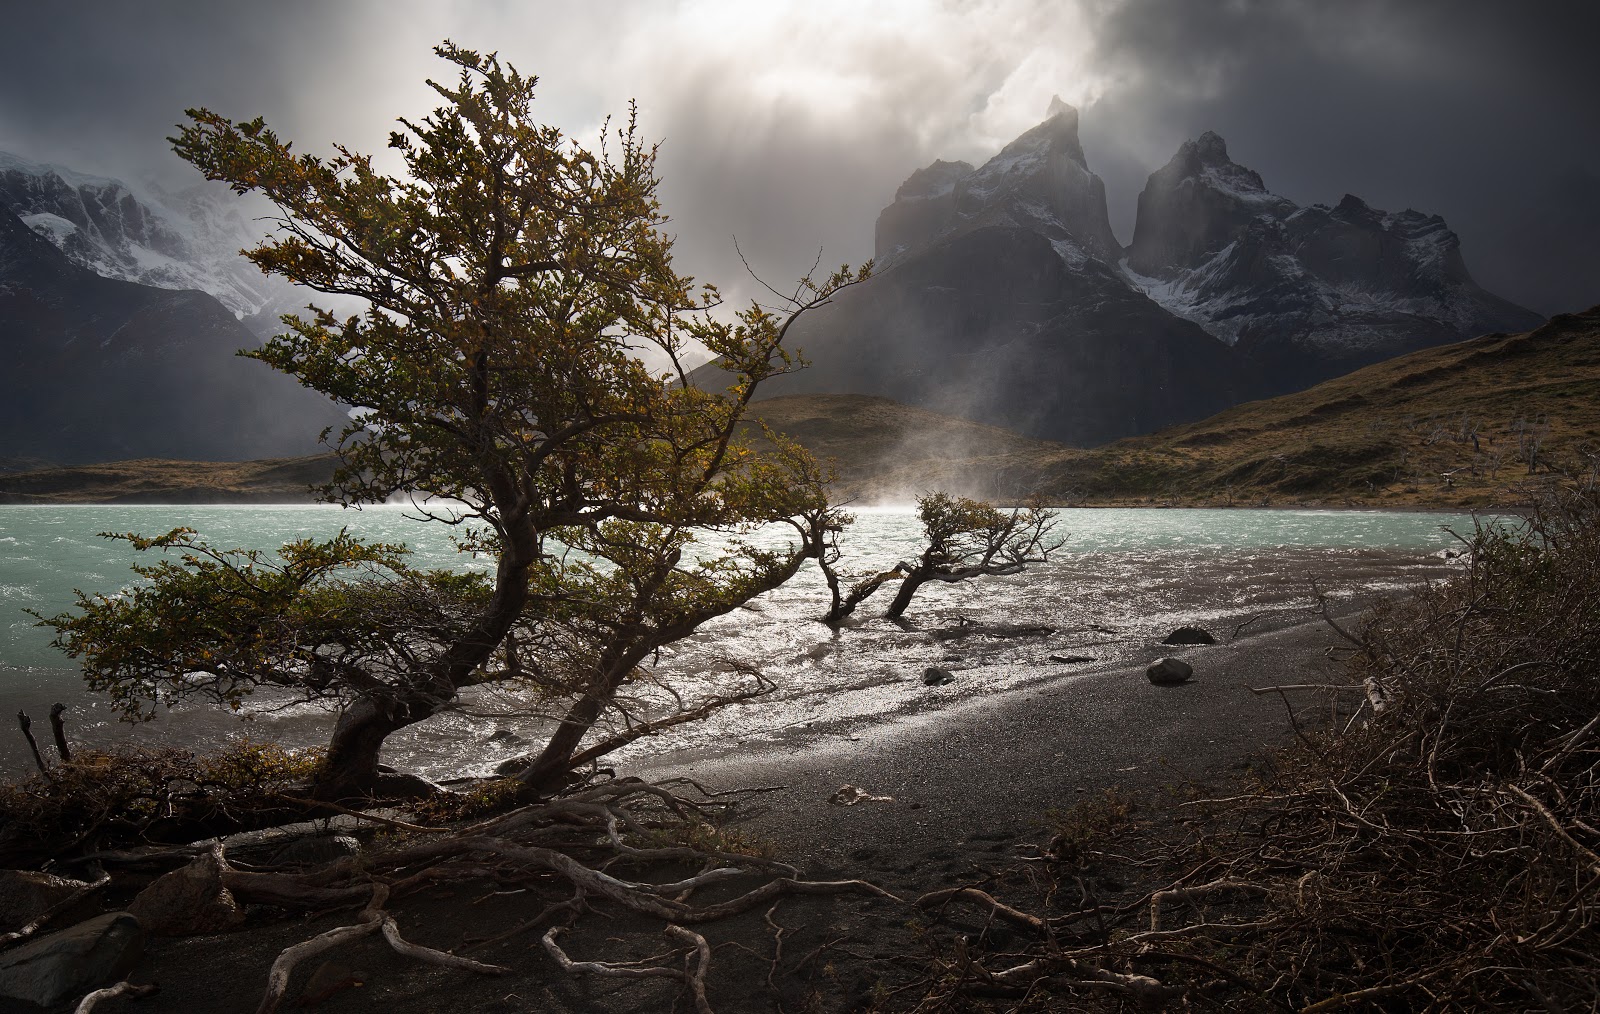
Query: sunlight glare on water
x,y
1123,578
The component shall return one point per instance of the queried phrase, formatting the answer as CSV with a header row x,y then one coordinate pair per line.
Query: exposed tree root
x,y
373,919
89,1002
610,843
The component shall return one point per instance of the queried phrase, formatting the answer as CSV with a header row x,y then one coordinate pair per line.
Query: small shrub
x,y
104,798
1081,829
483,800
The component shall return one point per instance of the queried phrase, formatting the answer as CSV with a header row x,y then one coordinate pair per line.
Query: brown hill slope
x,y
1460,424
886,452
158,480
1457,425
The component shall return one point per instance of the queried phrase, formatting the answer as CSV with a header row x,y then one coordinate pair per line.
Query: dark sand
x,y
969,783
996,763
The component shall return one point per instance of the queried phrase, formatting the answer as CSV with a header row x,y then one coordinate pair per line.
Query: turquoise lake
x,y
1123,578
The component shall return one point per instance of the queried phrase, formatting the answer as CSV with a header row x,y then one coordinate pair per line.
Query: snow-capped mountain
x,y
1310,292
100,369
1040,182
185,240
1002,295
997,297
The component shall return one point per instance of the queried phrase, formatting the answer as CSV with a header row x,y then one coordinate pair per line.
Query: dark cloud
x,y
790,125
1481,112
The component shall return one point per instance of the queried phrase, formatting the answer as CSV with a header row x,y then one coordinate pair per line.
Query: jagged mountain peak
x,y
932,180
1039,182
1205,162
1210,148
1307,291
1056,134
1195,205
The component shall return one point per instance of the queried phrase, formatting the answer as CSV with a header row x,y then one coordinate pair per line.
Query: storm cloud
x,y
789,125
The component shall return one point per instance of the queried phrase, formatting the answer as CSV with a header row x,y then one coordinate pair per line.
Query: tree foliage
x,y
963,539
512,280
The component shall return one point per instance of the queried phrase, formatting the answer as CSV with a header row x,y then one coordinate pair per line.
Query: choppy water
x,y
1123,579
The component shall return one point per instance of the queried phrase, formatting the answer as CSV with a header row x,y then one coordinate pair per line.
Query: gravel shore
x,y
969,783
988,768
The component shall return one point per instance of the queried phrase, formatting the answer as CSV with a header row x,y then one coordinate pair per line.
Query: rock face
x,y
185,240
97,369
73,961
316,851
997,298
1305,293
1001,294
25,895
189,901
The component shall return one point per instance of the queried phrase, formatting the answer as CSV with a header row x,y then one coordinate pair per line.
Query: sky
x,y
788,125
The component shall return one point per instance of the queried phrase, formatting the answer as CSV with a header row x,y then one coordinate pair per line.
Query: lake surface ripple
x,y
1122,581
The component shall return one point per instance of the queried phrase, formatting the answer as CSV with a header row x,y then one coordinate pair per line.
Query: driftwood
x,y
577,839
59,732
89,1002
33,745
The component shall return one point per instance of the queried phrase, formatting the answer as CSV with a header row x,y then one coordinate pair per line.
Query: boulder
x,y
934,676
506,736
1190,635
1169,671
316,850
73,961
25,895
187,902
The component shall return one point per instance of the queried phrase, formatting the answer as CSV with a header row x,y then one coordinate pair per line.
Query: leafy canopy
x,y
512,283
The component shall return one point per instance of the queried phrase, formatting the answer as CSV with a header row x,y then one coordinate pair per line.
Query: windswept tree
x,y
512,280
963,539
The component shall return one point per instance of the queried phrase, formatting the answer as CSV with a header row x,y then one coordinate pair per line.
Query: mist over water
x,y
1123,579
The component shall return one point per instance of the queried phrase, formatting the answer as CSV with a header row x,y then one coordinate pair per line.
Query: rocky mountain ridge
x,y
1309,292
1002,294
93,369
185,240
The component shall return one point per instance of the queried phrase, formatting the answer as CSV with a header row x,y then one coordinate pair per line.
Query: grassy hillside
x,y
883,451
1461,424
1458,425
156,480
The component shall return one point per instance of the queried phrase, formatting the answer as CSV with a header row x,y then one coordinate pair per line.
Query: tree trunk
x,y
547,773
350,769
902,598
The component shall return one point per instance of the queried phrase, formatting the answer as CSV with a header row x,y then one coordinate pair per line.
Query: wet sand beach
x,y
970,784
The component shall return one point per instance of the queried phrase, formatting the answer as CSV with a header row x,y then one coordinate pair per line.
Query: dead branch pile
x,y
1438,849
625,847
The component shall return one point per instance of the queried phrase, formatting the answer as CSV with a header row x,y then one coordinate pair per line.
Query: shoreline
x,y
972,787
999,762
